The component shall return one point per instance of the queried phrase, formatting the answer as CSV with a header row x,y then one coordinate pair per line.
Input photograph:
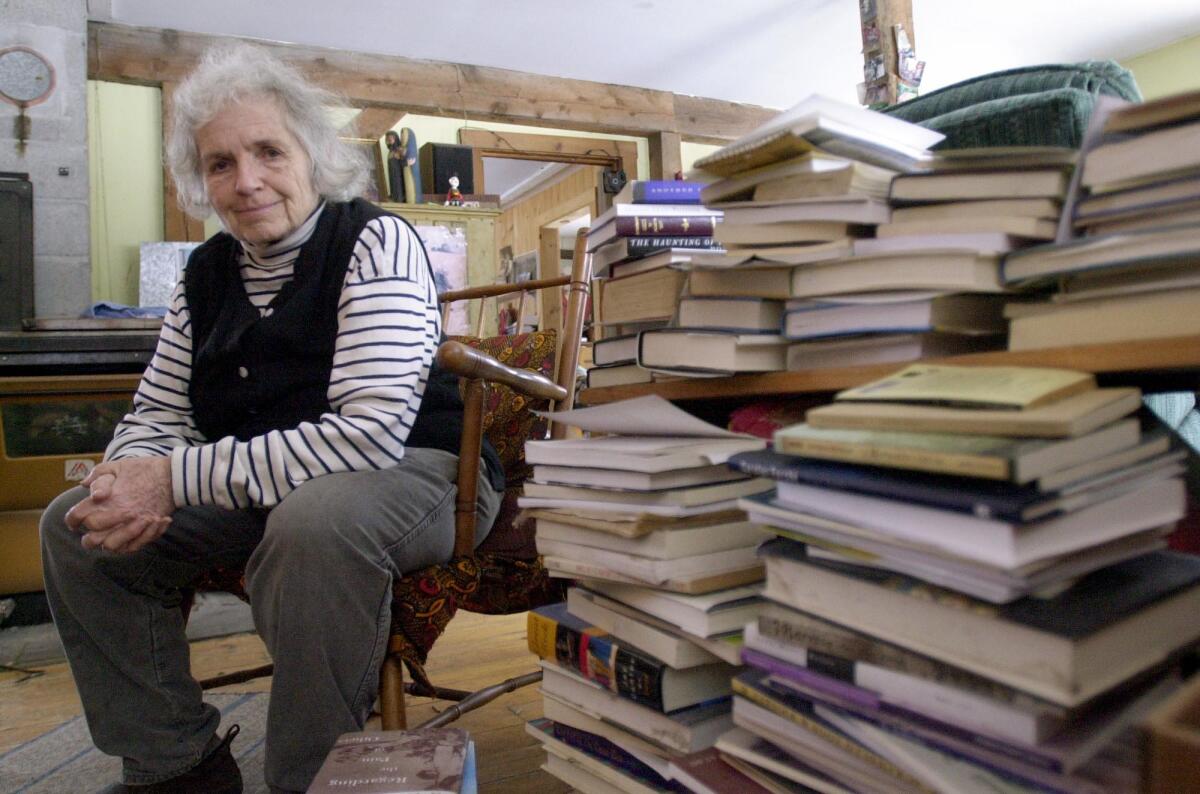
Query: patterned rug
x,y
63,760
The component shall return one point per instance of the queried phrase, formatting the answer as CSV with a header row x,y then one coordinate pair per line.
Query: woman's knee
x,y
55,534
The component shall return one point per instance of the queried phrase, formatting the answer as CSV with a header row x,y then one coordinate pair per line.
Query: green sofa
x,y
1031,106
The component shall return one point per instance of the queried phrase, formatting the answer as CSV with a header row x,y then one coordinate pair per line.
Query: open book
x,y
649,435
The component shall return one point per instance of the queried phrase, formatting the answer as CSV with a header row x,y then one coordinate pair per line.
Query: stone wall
x,y
55,155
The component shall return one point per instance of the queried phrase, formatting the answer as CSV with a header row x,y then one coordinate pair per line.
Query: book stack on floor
x,y
1134,274
637,246
637,663
968,590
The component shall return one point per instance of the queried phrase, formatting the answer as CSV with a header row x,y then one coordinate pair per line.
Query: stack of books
x,y
799,190
968,590
638,662
1144,172
803,199
1134,274
986,200
636,247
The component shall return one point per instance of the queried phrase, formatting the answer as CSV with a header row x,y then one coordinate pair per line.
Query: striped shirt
x,y
388,331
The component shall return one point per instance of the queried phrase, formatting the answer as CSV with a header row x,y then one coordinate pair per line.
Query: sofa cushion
x,y
1045,105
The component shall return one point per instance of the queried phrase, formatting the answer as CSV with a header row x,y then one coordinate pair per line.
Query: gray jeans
x,y
319,571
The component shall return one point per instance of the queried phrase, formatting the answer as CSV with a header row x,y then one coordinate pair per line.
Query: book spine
x,y
632,675
603,749
766,701
650,243
842,649
897,457
808,684
663,226
661,191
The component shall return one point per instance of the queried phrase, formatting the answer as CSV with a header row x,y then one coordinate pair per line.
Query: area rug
x,y
63,760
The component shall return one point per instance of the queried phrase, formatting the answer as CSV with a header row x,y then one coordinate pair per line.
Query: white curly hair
x,y
230,73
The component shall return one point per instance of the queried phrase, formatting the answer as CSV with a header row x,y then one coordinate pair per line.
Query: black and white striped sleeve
x,y
162,410
388,331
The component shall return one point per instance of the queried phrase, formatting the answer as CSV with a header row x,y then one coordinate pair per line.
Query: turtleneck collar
x,y
275,254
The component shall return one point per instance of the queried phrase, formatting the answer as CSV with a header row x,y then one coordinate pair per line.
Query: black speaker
x,y
440,161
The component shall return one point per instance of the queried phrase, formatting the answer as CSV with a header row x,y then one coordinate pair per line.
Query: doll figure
x,y
453,196
404,175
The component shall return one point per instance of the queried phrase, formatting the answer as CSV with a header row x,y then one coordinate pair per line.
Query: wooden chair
x,y
503,380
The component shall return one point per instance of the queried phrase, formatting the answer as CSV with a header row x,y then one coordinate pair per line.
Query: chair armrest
x,y
467,362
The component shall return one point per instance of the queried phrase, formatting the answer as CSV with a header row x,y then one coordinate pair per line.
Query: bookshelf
x,y
1155,364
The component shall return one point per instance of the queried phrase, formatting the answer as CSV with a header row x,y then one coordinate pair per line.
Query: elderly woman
x,y
291,421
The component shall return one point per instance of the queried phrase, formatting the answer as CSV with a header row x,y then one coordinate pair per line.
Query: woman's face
x,y
258,175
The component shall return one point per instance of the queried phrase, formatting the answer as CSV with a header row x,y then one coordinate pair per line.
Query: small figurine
x,y
404,176
454,197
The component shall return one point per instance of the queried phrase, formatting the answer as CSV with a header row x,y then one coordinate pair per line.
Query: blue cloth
x,y
109,310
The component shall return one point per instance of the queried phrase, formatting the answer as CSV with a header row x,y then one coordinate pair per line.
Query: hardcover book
x,y
745,315
1147,503
990,457
1122,318
833,127
811,175
674,650
973,387
437,760
1110,626
885,348
1015,226
894,313
750,235
651,226
706,773
940,563
617,375
652,295
685,731
659,191
976,497
557,636
949,271
1070,416
711,352
607,759
1150,155
626,256
1051,183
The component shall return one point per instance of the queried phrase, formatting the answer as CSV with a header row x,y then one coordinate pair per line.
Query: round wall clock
x,y
26,78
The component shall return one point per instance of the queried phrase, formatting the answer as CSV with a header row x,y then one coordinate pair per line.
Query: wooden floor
x,y
475,651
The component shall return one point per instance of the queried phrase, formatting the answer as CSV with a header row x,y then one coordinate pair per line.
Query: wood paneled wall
x,y
518,225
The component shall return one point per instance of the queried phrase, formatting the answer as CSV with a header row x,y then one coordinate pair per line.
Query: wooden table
x,y
1171,364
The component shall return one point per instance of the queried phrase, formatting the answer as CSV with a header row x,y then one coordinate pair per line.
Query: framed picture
x,y
377,189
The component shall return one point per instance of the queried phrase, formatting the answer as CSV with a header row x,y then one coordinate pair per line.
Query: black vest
x,y
252,374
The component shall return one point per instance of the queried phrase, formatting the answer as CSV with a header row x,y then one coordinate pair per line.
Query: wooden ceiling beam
x,y
373,122
149,56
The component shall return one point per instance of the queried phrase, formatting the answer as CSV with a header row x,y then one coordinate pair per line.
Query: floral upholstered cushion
x,y
507,419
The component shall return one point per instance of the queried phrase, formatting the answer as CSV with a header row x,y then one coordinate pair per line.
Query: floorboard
x,y
475,651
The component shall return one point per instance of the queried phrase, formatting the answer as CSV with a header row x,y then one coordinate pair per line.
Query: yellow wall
x,y
1168,70
125,168
691,152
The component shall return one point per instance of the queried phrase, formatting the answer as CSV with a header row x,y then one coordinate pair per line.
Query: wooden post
x,y
468,467
549,300
178,226
883,15
666,159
